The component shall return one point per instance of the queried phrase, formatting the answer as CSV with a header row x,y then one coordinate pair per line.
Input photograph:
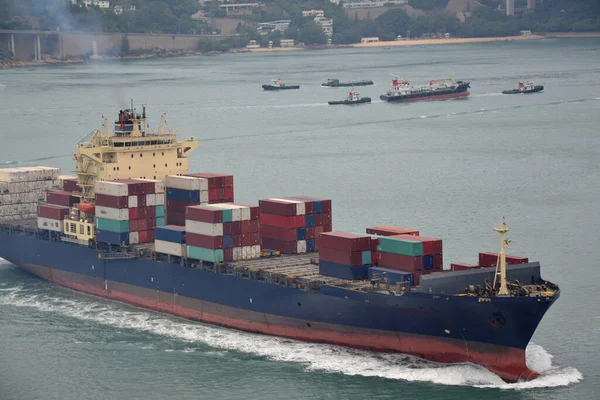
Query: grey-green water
x,y
450,169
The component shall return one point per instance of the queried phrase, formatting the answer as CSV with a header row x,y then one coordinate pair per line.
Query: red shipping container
x,y
438,261
318,231
105,200
61,198
430,245
511,260
275,232
228,254
326,202
254,213
53,211
143,224
236,240
391,231
134,186
296,221
71,185
277,207
462,266
220,193
490,259
150,211
309,207
399,262
317,244
212,195
374,243
327,228
374,259
141,200
227,228
345,241
228,193
286,247
134,213
204,214
236,228
208,242
250,239
310,232
228,181
344,257
175,218
133,225
146,236
179,205
249,226
318,219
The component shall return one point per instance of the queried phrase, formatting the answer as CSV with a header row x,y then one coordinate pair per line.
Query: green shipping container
x,y
160,211
200,253
160,221
104,224
366,257
400,246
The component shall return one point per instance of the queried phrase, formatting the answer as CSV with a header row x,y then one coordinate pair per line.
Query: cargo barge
x,y
440,89
277,268
277,84
525,88
337,83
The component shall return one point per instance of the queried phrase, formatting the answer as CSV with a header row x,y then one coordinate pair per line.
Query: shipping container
x,y
151,200
343,271
285,247
228,241
237,240
399,261
50,224
390,276
250,226
146,236
200,253
344,257
301,247
250,239
70,184
490,259
170,233
462,266
299,209
296,221
24,174
115,238
228,254
367,257
228,193
117,214
134,237
186,182
438,261
320,205
105,200
428,262
204,228
160,199
345,241
183,195
430,245
393,244
275,232
391,231
310,246
132,201
204,213
104,224
215,180
159,211
52,211
133,225
207,242
277,207
61,198
154,185
236,228
171,248
160,221
111,188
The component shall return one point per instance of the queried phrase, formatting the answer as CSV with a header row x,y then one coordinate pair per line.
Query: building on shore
x,y
371,3
369,40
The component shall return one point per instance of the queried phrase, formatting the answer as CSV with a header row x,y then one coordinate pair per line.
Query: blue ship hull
x,y
493,333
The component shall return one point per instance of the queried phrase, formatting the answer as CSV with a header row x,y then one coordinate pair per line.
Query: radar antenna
x,y
501,263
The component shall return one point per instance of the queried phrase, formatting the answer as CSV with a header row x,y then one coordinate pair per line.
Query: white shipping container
x,y
18,217
236,212
186,182
18,198
160,199
111,188
237,253
174,249
300,206
204,228
25,187
17,209
256,251
134,237
159,186
25,174
50,224
203,196
132,201
301,246
150,200
244,211
117,214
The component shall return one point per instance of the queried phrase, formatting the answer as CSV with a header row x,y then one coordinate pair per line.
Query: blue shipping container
x,y
392,275
170,233
428,262
343,271
318,207
310,220
227,242
115,238
310,245
301,234
183,195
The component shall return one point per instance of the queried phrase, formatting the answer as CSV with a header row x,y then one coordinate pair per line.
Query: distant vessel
x,y
439,89
527,87
352,98
337,83
277,84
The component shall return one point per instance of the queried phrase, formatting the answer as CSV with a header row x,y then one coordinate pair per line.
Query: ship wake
x,y
196,337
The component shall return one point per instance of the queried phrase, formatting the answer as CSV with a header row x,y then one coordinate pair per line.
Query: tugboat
x,y
337,83
277,84
439,89
527,87
353,98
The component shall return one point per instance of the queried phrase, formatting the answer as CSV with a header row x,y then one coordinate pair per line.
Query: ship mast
x,y
501,263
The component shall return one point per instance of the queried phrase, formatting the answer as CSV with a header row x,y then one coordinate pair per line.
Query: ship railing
x,y
110,255
74,241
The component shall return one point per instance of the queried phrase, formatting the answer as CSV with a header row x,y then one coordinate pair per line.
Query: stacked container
x,y
462,267
126,211
220,186
68,183
170,239
22,188
182,192
61,198
413,254
222,232
293,224
490,259
344,255
50,217
391,231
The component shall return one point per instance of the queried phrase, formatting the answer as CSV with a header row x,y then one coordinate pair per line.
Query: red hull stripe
x,y
431,98
507,362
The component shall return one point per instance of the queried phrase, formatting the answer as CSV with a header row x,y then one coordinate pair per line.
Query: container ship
x,y
440,89
136,226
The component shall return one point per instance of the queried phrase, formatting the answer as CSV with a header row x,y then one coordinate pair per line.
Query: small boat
x,y
353,98
527,87
277,84
337,83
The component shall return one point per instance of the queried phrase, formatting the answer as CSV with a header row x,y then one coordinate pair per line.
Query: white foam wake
x,y
314,357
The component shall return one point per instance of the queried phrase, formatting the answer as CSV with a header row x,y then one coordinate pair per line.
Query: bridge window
x,y
132,156
89,230
165,164
81,229
153,154
140,155
163,153
130,167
